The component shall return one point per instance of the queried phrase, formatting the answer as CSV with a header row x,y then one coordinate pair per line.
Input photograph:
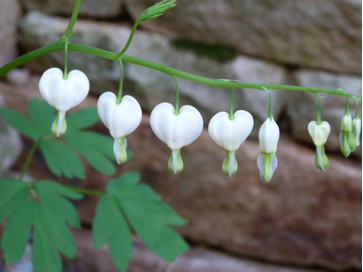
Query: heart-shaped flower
x,y
267,162
354,140
230,134
121,120
176,130
319,133
345,132
63,94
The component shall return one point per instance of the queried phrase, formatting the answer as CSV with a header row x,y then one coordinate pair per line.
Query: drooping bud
x,y
320,133
354,140
345,131
230,134
267,162
175,162
59,126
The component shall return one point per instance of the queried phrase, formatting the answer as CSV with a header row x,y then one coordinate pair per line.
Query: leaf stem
x,y
28,159
119,96
127,45
59,46
85,191
67,34
176,112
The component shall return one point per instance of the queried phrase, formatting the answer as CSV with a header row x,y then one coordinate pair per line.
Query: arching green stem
x,y
119,96
65,74
59,46
176,112
67,34
318,120
231,115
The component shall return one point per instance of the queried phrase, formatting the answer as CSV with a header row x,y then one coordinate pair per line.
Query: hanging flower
x,y
121,119
63,94
345,131
319,133
176,130
354,140
230,134
267,162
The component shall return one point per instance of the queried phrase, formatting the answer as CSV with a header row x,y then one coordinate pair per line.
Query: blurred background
x,y
304,220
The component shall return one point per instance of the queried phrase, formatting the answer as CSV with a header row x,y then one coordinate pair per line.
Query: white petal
x,y
176,130
230,134
269,135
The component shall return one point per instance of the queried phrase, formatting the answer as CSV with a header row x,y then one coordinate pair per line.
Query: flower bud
x,y
320,133
345,131
267,162
354,140
175,162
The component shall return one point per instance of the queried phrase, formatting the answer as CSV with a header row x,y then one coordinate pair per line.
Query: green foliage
x,y
126,201
43,207
217,52
62,157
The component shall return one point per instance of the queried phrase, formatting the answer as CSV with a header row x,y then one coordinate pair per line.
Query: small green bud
x,y
345,131
175,162
321,160
267,164
59,126
119,150
354,140
230,165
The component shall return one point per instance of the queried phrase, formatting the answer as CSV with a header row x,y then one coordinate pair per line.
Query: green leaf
x,y
19,122
17,231
49,214
82,119
97,149
110,226
126,199
42,116
61,159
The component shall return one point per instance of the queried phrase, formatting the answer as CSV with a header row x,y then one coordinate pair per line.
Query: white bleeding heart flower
x,y
319,133
354,140
230,134
345,132
267,162
63,93
121,120
176,130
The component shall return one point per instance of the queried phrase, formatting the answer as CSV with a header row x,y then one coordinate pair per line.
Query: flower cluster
x,y
178,128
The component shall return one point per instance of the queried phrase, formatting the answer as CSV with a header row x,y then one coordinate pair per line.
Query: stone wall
x,y
304,217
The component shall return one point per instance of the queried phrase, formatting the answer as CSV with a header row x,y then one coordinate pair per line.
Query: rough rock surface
x,y
196,260
10,143
310,33
9,15
302,107
153,87
303,217
89,8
